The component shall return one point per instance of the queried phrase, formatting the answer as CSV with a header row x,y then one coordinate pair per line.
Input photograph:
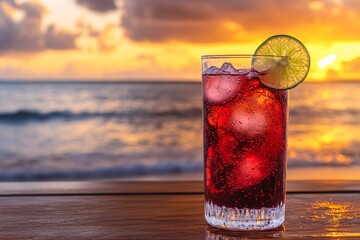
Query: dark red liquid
x,y
244,142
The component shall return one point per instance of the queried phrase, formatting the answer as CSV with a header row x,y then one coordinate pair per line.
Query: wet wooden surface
x,y
149,187
164,210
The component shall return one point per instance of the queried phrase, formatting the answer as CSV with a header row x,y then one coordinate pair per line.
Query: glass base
x,y
245,219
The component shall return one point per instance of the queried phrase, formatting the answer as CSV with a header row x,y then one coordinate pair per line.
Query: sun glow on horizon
x,y
112,40
327,61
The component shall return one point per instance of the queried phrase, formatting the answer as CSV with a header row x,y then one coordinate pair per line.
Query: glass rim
x,y
222,56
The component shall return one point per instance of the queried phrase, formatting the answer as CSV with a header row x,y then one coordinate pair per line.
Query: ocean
x,y
72,131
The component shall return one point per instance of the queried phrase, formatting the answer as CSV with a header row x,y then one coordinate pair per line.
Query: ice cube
x,y
219,89
247,121
253,115
212,114
252,74
212,70
228,146
243,71
213,168
227,68
249,170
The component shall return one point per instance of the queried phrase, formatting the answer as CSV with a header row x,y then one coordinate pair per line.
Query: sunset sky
x,y
164,39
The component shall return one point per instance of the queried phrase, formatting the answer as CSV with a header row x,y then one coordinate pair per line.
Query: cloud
x,y
352,66
349,70
26,34
55,39
101,6
332,75
109,38
206,21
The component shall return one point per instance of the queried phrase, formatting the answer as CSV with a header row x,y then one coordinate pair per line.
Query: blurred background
x,y
96,89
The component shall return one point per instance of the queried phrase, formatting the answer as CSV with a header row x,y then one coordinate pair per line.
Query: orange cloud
x,y
352,66
347,71
109,38
162,39
209,21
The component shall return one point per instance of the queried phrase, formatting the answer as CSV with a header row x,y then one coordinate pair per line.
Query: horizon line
x,y
139,81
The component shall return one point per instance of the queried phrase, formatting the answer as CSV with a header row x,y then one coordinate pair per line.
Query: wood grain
x,y
171,216
185,187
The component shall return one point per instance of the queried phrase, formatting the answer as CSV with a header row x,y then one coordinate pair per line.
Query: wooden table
x,y
164,210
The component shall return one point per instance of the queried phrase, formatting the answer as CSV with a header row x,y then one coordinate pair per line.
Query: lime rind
x,y
288,66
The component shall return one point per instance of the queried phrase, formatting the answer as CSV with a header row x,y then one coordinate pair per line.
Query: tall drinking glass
x,y
244,125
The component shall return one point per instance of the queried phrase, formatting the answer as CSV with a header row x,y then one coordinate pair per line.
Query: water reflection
x,y
335,215
71,131
212,233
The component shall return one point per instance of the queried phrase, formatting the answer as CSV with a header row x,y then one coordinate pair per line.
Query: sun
x,y
323,63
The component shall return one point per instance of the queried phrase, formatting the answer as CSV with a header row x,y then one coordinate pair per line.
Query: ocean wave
x,y
300,113
324,157
121,169
34,115
131,170
134,170
310,111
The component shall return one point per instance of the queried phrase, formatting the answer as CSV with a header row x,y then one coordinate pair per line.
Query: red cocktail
x,y
244,145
